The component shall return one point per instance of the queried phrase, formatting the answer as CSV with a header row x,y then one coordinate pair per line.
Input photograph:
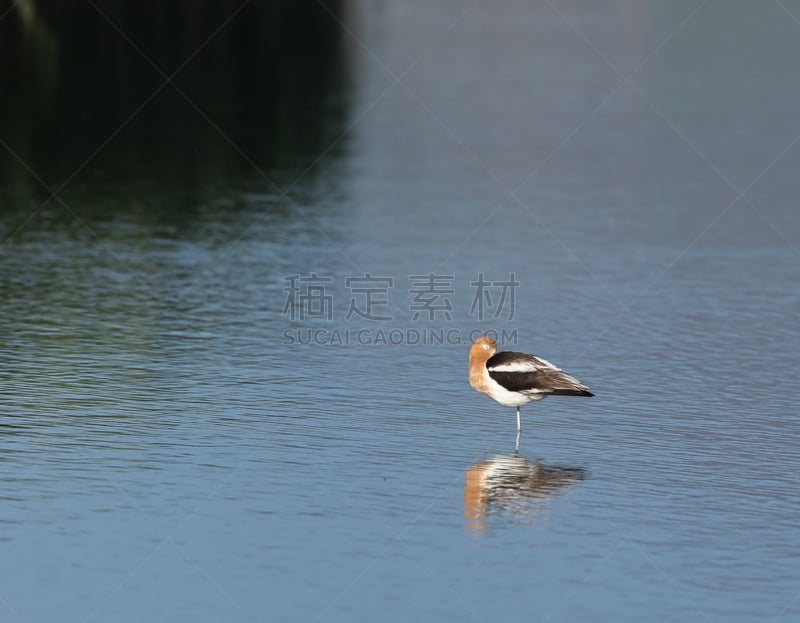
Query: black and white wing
x,y
520,372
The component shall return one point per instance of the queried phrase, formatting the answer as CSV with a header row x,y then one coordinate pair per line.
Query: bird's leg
x,y
516,447
519,425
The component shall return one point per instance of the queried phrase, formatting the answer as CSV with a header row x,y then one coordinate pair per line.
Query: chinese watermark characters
x,y
430,297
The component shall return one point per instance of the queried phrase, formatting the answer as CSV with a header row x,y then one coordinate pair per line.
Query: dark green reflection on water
x,y
265,92
139,259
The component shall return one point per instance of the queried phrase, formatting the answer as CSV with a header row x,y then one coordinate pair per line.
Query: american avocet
x,y
515,379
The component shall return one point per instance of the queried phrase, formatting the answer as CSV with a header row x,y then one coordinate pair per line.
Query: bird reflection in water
x,y
512,484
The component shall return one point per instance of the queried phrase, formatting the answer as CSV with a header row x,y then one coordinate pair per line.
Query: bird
x,y
515,379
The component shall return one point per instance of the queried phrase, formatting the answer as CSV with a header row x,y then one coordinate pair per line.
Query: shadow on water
x,y
87,103
511,484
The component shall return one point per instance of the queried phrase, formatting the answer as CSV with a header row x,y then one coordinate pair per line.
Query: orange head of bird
x,y
482,348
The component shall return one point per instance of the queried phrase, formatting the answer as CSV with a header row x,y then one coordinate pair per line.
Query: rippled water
x,y
167,454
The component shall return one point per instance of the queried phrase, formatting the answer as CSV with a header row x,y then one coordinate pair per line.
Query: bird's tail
x,y
571,392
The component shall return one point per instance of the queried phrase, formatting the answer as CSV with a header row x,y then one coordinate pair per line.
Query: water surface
x,y
168,454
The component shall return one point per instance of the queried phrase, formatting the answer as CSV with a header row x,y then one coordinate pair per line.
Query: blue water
x,y
176,447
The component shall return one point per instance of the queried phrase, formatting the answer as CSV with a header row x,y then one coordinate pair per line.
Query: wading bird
x,y
515,379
